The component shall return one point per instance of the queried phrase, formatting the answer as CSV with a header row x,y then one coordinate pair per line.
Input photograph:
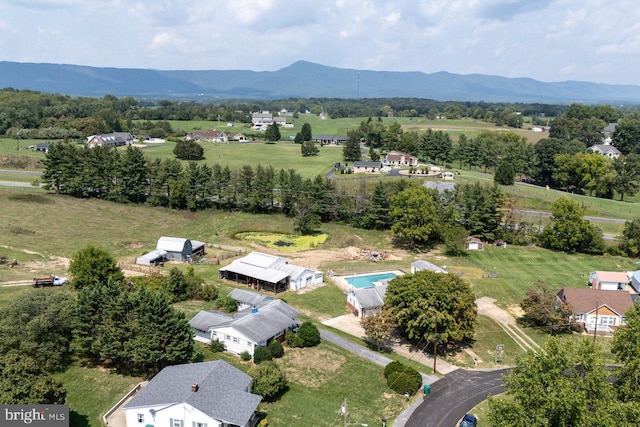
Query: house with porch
x,y
594,310
366,167
263,271
609,280
205,394
250,328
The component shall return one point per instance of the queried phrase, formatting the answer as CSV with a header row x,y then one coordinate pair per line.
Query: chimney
x,y
194,387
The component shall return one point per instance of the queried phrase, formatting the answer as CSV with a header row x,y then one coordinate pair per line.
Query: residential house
x,y
595,310
474,244
234,136
609,280
205,394
364,302
247,299
265,271
115,139
208,136
247,329
323,139
607,150
635,280
400,159
262,118
421,265
43,147
366,167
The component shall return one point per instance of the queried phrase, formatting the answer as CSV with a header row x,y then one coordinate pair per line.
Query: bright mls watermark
x,y
34,415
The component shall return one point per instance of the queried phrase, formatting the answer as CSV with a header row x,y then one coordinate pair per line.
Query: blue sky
x,y
587,40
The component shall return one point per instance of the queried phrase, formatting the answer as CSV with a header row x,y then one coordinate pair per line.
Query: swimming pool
x,y
367,280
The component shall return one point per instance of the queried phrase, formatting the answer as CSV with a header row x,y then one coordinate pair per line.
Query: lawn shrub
x,y
276,349
292,339
309,335
404,382
392,367
208,292
217,346
245,356
261,354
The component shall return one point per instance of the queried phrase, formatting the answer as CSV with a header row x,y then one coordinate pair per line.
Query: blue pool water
x,y
366,281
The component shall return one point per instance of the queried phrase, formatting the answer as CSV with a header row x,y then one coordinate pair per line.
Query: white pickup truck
x,y
40,282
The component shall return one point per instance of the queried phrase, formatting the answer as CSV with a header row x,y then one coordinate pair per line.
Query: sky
x,y
547,40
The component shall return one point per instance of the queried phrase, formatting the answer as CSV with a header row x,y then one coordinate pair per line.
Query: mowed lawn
x,y
519,268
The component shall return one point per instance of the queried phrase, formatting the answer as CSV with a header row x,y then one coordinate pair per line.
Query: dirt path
x,y
487,307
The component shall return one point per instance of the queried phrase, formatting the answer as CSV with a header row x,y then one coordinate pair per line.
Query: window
x,y
235,339
196,424
607,320
227,337
141,418
175,423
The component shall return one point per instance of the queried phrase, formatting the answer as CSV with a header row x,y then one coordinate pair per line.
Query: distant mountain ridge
x,y
303,79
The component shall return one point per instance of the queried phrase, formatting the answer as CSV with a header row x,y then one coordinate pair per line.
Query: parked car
x,y
469,421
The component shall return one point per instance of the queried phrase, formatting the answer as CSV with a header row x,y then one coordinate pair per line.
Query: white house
x,y
609,280
474,244
421,265
247,329
265,271
607,150
364,302
207,394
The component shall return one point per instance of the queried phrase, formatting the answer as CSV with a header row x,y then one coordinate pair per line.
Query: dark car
x,y
469,421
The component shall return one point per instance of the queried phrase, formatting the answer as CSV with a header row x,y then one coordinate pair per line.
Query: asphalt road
x,y
454,395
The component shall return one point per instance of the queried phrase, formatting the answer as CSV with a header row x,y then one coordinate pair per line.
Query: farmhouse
x,y
115,139
364,302
265,271
421,265
172,249
609,280
596,310
250,328
197,394
235,136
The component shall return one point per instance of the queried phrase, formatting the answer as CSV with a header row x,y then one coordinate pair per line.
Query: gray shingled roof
x,y
271,318
204,320
246,296
371,297
221,391
426,265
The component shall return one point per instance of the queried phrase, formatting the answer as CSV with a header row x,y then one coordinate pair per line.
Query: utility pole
x,y
435,344
595,329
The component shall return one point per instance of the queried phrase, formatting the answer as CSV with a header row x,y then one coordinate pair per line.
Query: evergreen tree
x,y
305,132
133,174
351,150
93,266
505,175
272,133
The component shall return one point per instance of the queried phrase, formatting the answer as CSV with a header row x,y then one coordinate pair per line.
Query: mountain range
x,y
303,80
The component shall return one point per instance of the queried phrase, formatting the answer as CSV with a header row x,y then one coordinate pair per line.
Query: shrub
x,y
308,335
217,346
245,356
404,382
208,292
276,349
268,380
392,367
261,354
292,340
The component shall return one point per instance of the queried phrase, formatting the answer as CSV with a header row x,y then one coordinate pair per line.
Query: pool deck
x,y
345,286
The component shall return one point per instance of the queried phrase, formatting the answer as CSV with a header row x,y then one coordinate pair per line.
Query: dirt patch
x,y
54,265
312,367
516,311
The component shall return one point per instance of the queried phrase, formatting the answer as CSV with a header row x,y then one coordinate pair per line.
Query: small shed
x,y
152,258
176,248
474,244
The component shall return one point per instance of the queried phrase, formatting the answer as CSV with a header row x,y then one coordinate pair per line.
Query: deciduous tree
x,y
425,301
268,380
414,215
378,327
